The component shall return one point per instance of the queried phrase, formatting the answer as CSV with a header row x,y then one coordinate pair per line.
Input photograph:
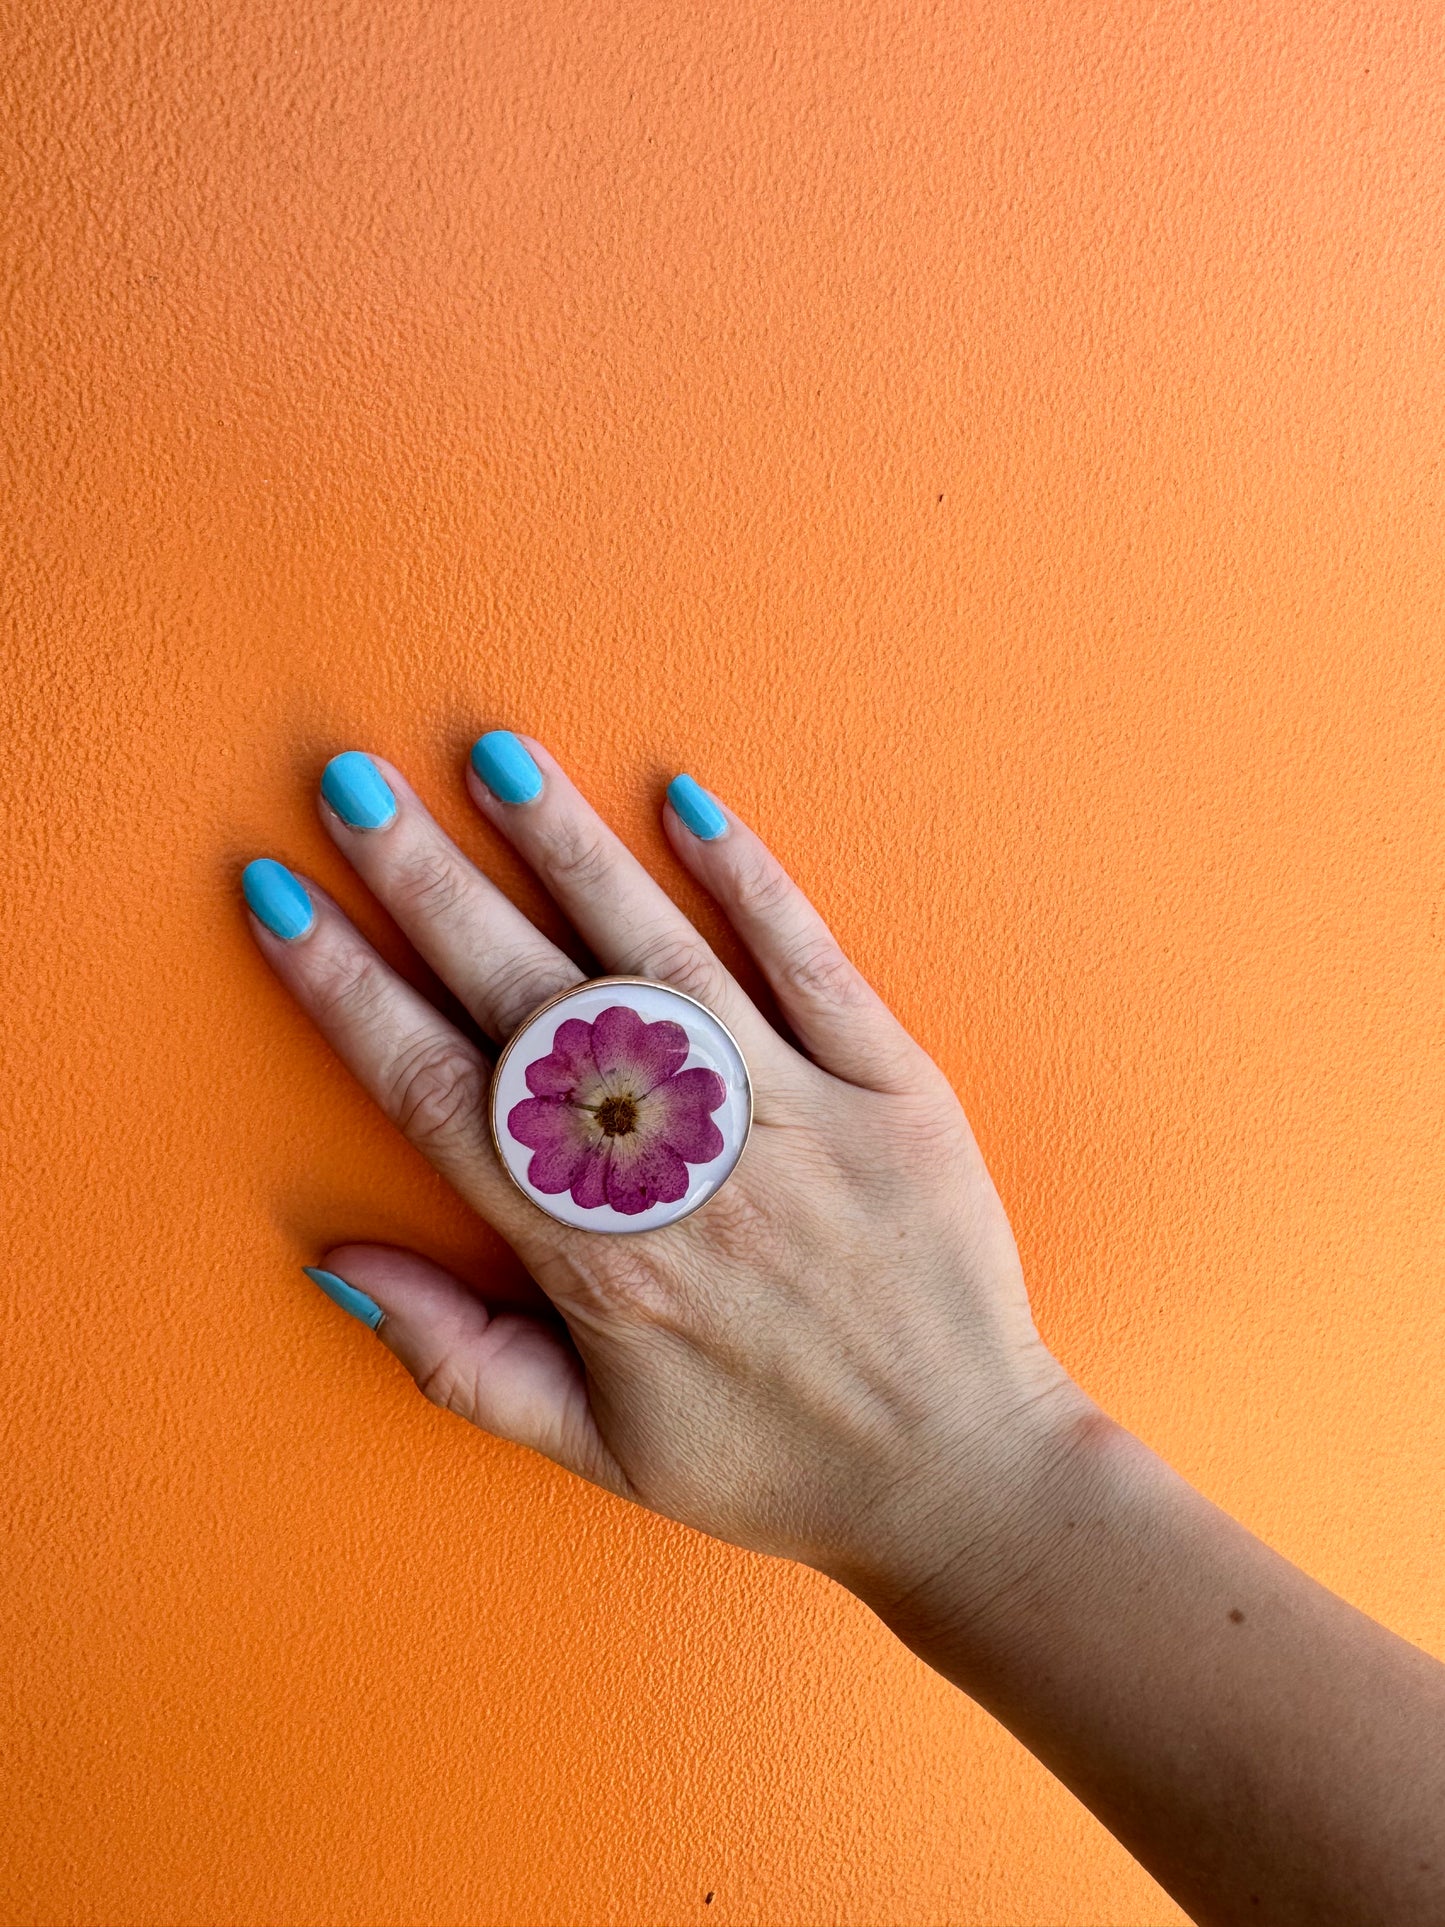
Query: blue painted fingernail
x,y
347,1296
696,808
506,766
278,899
357,791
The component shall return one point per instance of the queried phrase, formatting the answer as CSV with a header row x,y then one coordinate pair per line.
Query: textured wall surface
x,y
996,447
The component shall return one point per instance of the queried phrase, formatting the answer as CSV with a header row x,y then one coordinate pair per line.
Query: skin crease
x,y
834,1361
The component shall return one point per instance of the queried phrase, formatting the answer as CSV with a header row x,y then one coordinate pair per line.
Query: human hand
x,y
833,1359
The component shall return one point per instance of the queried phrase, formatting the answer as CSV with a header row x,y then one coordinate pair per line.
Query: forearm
x,y
1265,1750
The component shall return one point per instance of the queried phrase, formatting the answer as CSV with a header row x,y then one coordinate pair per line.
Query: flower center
x,y
617,1116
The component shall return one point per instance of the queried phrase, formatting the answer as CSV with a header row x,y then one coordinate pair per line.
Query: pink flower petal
x,y
589,1187
570,1069
676,1113
631,1052
619,1054
642,1174
563,1140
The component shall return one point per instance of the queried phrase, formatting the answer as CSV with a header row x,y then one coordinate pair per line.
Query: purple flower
x,y
613,1117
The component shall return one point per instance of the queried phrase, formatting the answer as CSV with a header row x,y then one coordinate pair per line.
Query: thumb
x,y
511,1375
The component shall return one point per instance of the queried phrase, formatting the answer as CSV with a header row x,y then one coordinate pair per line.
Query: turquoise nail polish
x,y
277,898
506,767
347,1296
357,791
696,808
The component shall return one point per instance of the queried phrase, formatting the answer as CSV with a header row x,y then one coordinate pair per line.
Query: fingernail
x,y
347,1296
506,766
696,808
357,791
278,899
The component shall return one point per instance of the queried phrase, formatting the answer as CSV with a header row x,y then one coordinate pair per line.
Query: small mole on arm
x,y
1236,1615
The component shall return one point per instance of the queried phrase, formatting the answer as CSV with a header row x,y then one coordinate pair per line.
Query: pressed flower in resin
x,y
613,1117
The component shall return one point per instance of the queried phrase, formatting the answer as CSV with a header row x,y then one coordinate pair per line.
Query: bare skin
x,y
834,1361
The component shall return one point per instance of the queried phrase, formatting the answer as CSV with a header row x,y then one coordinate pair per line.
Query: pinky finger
x,y
838,1017
508,1374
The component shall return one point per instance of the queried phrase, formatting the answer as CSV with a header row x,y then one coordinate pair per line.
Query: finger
x,y
629,921
428,1078
471,933
509,1374
838,1017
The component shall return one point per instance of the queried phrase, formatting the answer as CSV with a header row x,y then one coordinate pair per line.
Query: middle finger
x,y
629,922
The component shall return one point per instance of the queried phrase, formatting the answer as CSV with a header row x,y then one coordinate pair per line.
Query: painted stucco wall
x,y
996,447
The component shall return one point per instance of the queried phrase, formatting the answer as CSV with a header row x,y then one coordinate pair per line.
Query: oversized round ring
x,y
620,1105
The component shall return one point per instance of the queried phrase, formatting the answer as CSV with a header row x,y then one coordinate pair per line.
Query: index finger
x,y
429,1079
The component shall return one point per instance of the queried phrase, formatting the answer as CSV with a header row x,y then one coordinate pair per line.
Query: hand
x,y
833,1359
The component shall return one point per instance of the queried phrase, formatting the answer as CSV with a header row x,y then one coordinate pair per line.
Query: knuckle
x,y
437,1093
517,984
577,857
762,886
430,885
682,960
930,1141
745,1230
442,1384
815,967
348,987
637,1286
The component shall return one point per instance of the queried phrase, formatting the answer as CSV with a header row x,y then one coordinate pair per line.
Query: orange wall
x,y
998,448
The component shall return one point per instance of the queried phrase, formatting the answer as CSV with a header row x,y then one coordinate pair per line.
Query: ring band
x,y
620,1104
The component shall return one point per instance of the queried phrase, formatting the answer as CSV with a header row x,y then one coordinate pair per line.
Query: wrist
x,y
990,1523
